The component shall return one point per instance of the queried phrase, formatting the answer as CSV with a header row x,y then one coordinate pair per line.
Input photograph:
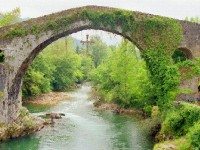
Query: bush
x,y
23,112
58,67
28,122
120,82
13,130
173,124
155,112
194,136
180,120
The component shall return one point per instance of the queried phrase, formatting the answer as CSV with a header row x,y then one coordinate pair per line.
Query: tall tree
x,y
98,50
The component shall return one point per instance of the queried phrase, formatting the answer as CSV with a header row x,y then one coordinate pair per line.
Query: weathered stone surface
x,y
192,86
24,125
20,51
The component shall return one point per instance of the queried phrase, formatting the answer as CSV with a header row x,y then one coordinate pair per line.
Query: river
x,y
84,128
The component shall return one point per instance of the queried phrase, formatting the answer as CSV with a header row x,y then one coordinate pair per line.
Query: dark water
x,y
83,128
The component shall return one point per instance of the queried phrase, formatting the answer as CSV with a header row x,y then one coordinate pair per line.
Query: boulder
x,y
55,115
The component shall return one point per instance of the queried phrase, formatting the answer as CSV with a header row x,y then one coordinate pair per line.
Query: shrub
x,y
23,112
28,122
13,130
194,136
155,112
179,121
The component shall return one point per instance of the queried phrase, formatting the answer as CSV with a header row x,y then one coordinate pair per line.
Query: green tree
x,y
58,67
122,78
87,65
9,17
98,50
38,77
193,19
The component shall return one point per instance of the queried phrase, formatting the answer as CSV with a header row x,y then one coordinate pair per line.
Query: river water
x,y
84,128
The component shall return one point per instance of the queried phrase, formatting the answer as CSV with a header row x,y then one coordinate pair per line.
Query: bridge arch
x,y
30,37
22,42
14,90
187,52
182,54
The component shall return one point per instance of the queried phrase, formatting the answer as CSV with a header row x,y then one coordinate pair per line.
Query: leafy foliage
x,y
60,66
122,77
180,120
57,68
164,76
9,17
38,77
189,68
152,33
194,136
98,50
193,19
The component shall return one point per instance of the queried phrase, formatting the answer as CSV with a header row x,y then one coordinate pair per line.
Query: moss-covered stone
x,y
1,95
25,124
147,30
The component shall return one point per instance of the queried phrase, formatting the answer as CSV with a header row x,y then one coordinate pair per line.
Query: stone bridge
x,y
22,42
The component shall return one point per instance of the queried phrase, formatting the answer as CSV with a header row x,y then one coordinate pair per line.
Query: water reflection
x,y
25,143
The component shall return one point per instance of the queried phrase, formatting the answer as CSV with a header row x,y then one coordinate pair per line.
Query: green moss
x,y
25,124
17,32
189,68
1,95
23,112
28,122
13,130
151,31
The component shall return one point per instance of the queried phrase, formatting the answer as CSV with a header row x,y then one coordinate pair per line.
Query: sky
x,y
171,8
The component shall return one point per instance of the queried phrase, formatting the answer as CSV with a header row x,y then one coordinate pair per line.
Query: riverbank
x,y
178,131
49,99
151,125
24,125
27,124
180,128
83,126
119,110
100,104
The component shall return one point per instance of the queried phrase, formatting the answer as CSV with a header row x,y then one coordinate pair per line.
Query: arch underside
x,y
12,92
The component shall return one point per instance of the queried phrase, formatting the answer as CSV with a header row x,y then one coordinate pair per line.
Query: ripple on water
x,y
83,128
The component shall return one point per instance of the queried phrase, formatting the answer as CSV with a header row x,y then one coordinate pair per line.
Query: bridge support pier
x,y
9,108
